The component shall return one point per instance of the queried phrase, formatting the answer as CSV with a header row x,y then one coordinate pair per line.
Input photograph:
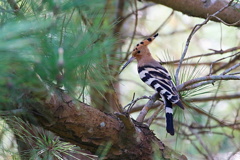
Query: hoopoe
x,y
157,77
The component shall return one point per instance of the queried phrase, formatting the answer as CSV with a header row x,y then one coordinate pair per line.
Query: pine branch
x,y
69,118
17,11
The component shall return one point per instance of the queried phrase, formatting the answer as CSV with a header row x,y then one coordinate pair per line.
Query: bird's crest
x,y
145,42
136,52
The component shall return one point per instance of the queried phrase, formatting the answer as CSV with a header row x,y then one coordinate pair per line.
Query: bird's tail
x,y
169,117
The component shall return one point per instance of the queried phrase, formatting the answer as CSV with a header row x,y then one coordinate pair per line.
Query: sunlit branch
x,y
206,78
230,69
146,107
205,55
201,99
222,97
211,67
226,65
154,115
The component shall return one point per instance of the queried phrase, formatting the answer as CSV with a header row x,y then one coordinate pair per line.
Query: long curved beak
x,y
125,65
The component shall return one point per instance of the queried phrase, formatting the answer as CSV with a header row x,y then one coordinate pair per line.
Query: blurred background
x,y
80,47
174,28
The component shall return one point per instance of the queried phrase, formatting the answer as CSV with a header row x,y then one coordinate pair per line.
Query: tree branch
x,y
90,128
230,69
201,99
194,30
205,55
146,107
223,97
196,8
206,78
227,64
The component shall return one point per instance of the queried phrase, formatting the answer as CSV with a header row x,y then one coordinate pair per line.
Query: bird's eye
x,y
138,51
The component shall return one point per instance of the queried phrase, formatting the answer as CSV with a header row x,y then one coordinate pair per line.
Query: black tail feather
x,y
169,117
169,121
179,103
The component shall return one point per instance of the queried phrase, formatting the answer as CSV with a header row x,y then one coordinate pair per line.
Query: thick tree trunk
x,y
197,8
92,129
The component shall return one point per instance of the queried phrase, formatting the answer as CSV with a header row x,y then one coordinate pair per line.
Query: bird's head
x,y
140,51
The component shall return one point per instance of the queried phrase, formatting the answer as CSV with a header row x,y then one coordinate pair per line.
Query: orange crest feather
x,y
145,42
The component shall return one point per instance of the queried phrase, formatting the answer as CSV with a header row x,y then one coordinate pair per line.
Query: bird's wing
x,y
160,80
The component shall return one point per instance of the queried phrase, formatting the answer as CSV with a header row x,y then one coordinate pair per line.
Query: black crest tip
x,y
149,39
155,35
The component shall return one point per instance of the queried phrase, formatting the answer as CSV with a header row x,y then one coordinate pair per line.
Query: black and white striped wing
x,y
159,79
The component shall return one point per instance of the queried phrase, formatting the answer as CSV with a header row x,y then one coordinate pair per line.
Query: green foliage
x,y
64,44
103,150
43,144
60,42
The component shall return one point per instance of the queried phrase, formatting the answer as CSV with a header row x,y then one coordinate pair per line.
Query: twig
x,y
227,64
237,116
214,103
140,9
140,107
197,148
200,127
206,78
210,72
150,120
227,24
233,126
196,85
209,132
132,103
222,97
205,55
202,99
206,114
230,69
194,64
146,107
195,29
203,144
233,153
235,73
135,26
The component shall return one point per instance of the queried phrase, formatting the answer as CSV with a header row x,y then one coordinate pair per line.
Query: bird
x,y
157,77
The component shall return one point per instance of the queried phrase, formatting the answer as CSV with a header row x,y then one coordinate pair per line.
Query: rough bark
x,y
92,129
197,8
